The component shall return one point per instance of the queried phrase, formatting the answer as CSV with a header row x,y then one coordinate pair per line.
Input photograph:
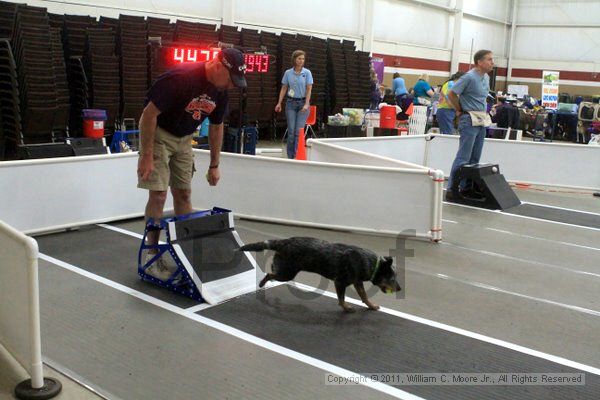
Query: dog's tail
x,y
258,246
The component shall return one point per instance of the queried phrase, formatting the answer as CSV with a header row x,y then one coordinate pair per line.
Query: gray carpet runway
x,y
132,349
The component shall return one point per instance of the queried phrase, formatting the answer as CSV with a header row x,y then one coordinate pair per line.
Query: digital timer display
x,y
177,55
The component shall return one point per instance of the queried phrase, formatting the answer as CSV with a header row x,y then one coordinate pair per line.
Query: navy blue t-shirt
x,y
185,98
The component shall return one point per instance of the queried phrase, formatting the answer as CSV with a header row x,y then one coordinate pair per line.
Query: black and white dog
x,y
344,264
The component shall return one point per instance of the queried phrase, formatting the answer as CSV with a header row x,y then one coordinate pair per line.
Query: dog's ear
x,y
386,265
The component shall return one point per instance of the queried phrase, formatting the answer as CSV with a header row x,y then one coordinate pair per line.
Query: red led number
x,y
178,55
263,66
250,60
254,62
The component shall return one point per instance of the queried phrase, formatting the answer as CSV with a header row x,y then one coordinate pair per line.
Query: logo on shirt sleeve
x,y
201,105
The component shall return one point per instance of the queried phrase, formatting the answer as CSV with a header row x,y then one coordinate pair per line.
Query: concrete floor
x,y
531,283
12,373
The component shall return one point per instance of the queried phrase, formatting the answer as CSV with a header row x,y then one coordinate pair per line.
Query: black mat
x,y
375,342
109,254
556,214
215,257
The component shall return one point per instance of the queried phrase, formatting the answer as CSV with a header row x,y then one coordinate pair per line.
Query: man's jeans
x,y
469,148
296,120
445,119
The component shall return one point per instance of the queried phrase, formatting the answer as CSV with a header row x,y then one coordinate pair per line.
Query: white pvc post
x,y
37,373
438,193
20,318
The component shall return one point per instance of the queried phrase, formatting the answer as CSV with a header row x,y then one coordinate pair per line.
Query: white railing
x,y
374,199
331,152
551,164
85,190
406,149
58,193
19,297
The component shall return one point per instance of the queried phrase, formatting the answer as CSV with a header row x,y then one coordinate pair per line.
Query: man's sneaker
x,y
160,269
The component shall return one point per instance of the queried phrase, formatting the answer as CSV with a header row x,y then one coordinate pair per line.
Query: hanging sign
x,y
550,89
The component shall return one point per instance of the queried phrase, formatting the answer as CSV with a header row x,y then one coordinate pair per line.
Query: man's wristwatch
x,y
213,166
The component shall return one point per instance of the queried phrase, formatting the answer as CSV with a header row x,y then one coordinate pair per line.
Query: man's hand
x,y
278,108
305,108
213,175
145,167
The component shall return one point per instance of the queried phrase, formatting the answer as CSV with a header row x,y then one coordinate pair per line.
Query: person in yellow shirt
x,y
445,113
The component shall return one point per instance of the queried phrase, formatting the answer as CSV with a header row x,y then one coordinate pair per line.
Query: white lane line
x,y
450,221
470,283
123,231
523,260
199,307
543,239
108,282
503,291
506,213
562,208
325,366
526,236
463,332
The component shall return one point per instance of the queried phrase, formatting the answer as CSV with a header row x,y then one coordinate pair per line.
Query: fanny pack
x,y
480,118
423,101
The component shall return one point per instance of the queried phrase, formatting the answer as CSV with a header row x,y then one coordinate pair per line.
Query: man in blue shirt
x,y
468,98
176,105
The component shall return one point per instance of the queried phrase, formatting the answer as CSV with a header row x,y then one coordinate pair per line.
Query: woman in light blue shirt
x,y
296,87
399,89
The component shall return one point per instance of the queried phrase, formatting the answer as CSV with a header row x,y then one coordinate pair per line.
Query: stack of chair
x,y
102,71
63,106
162,28
8,12
231,35
133,53
338,79
201,35
10,116
271,79
254,103
37,83
74,35
358,76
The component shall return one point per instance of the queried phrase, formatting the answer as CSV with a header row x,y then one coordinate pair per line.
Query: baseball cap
x,y
233,60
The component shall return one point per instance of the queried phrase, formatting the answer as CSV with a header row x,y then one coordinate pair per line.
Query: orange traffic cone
x,y
301,150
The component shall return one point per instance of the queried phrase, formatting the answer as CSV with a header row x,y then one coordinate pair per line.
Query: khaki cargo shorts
x,y
173,162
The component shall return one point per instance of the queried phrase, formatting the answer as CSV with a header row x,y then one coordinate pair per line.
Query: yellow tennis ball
x,y
389,291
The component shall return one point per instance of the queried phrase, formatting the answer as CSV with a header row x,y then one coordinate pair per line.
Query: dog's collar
x,y
375,269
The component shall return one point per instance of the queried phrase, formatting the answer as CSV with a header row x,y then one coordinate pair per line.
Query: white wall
x,y
563,44
496,9
404,22
563,11
553,43
329,17
485,35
